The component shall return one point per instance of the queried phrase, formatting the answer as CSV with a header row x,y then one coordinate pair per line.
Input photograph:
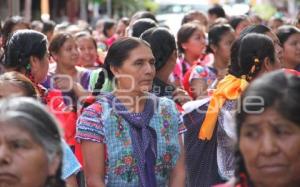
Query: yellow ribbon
x,y
229,88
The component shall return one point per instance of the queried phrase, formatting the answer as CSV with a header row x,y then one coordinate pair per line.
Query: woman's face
x,y
223,48
270,146
137,71
68,54
87,51
110,32
195,45
40,72
291,51
121,29
23,162
277,45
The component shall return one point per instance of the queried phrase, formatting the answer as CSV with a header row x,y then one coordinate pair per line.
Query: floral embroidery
x,y
167,157
121,165
164,163
120,132
165,130
126,168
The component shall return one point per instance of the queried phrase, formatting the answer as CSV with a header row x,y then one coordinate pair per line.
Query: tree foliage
x,y
129,7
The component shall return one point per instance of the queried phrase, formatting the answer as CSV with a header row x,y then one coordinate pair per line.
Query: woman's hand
x,y
181,96
64,83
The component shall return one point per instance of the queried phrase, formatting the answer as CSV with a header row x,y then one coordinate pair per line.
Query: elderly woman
x,y
30,145
14,84
210,126
269,132
130,137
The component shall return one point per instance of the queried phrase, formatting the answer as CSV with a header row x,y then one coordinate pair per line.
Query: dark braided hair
x,y
254,48
96,91
22,45
235,66
248,53
118,52
215,35
9,25
279,90
162,43
99,83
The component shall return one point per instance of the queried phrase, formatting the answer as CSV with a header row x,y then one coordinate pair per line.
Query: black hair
x,y
285,31
162,43
119,51
254,48
62,27
108,24
37,25
22,45
9,25
262,29
279,90
236,20
125,20
48,26
58,41
88,35
190,16
217,10
141,25
0,29
216,33
144,14
185,32
235,66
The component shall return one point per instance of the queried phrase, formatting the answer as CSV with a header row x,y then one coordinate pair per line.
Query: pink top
x,y
178,72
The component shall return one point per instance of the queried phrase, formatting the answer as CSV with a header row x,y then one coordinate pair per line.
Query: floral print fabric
x,y
100,123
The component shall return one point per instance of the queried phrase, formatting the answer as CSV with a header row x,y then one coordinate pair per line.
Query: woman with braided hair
x,y
131,137
210,132
26,52
268,133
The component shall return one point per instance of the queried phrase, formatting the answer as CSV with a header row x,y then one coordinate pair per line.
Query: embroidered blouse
x,y
100,123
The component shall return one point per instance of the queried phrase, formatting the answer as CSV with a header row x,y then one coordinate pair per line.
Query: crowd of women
x,y
129,103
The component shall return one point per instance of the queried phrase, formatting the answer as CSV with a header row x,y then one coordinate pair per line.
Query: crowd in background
x,y
128,103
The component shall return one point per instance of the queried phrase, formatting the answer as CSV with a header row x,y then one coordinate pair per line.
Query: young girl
x,y
289,37
88,55
72,80
200,78
191,46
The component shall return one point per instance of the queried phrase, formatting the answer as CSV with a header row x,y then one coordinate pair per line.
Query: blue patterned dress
x,y
100,123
